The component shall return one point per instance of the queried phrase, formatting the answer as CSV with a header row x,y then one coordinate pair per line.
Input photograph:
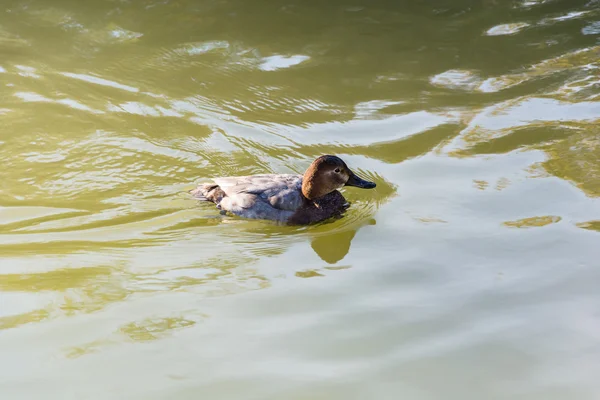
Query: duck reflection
x,y
333,247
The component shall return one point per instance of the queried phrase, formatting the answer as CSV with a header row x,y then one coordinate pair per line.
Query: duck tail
x,y
208,192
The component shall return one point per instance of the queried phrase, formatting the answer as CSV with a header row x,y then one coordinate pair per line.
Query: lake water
x,y
470,272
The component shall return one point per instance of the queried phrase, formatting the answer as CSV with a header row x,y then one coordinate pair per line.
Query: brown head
x,y
328,173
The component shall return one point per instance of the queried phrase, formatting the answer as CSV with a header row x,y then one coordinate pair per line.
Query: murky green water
x,y
471,272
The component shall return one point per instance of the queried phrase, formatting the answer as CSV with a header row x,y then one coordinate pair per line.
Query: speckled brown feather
x,y
331,205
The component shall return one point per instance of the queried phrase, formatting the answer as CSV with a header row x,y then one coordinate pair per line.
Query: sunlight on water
x,y
276,62
506,29
469,272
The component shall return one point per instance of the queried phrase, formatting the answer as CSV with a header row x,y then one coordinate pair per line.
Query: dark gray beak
x,y
358,182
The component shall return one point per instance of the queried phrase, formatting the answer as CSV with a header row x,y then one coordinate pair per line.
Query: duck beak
x,y
357,181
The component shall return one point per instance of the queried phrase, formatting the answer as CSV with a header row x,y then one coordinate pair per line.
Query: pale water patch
x,y
500,120
276,62
457,79
535,111
585,88
591,29
100,81
388,129
31,97
532,3
571,15
370,109
17,303
200,110
106,36
73,25
134,107
123,35
194,49
76,105
71,103
496,84
584,60
51,157
27,71
506,29
138,108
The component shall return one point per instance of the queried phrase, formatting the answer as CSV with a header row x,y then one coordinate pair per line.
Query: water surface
x,y
470,272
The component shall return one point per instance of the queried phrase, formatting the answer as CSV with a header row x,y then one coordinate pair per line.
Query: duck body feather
x,y
276,197
287,198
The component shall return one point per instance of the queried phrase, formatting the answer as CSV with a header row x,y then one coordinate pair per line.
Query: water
x,y
469,273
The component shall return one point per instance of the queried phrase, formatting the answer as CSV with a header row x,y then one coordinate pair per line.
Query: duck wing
x,y
280,191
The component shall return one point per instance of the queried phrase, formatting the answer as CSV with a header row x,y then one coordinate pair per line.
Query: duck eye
x,y
337,170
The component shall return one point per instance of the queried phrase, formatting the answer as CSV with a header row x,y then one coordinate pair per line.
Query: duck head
x,y
328,173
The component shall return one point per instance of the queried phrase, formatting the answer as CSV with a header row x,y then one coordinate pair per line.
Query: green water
x,y
470,272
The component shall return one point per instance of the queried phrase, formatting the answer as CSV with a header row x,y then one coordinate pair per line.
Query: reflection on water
x,y
333,247
469,272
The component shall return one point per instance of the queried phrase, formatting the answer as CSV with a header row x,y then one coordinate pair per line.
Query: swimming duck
x,y
286,198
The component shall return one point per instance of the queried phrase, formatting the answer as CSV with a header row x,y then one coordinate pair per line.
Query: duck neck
x,y
312,188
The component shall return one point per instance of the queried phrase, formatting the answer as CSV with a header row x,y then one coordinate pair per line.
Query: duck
x,y
290,199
